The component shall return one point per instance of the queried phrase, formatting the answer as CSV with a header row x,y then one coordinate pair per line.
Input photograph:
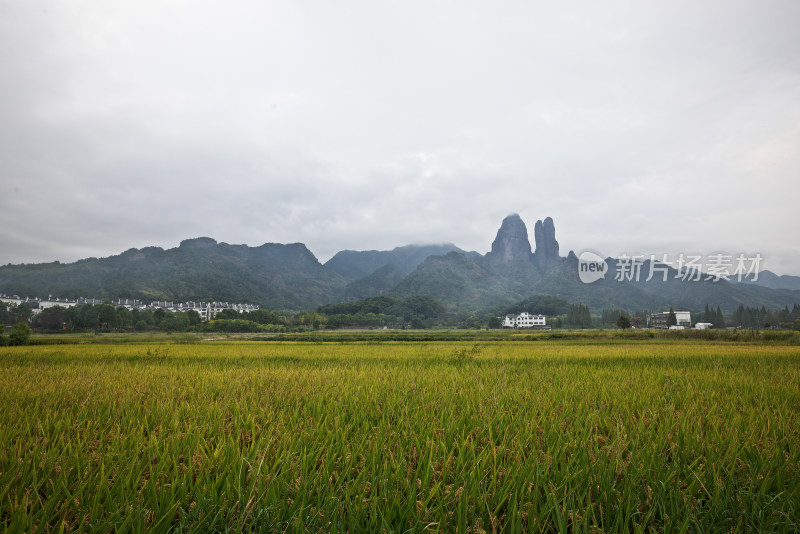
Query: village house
x,y
207,310
524,320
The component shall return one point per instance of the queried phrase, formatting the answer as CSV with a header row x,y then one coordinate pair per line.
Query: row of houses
x,y
37,304
207,310
654,320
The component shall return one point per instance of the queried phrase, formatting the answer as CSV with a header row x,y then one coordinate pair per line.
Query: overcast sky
x,y
655,127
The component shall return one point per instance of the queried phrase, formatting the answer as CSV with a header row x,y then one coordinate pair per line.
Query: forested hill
x,y
356,264
273,275
289,277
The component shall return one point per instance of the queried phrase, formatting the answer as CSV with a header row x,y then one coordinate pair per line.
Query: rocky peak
x,y
546,244
511,243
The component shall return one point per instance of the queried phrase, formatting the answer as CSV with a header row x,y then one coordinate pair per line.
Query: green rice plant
x,y
400,436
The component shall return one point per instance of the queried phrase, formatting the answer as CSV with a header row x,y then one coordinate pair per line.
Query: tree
x,y
736,317
5,313
494,322
86,316
51,318
672,320
228,313
159,316
3,338
106,315
746,319
147,316
578,316
610,317
719,321
264,317
175,322
124,317
314,319
417,323
623,322
194,317
22,312
20,334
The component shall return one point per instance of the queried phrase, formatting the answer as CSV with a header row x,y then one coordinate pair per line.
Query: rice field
x,y
478,436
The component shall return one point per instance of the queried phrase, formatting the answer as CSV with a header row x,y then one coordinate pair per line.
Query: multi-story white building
x,y
661,320
524,320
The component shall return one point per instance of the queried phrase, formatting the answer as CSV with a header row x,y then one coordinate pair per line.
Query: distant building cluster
x,y
207,310
524,320
661,320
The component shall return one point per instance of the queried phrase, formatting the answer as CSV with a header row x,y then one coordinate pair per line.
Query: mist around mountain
x,y
290,277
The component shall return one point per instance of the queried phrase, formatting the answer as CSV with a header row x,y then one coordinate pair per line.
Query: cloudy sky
x,y
655,127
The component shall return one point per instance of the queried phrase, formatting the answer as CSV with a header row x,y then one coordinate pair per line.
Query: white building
x,y
684,318
661,320
131,304
50,302
16,300
207,310
524,320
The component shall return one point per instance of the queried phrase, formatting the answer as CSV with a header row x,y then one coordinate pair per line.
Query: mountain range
x,y
289,276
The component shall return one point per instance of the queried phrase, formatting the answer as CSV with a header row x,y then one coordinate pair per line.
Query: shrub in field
x,y
464,355
240,325
20,334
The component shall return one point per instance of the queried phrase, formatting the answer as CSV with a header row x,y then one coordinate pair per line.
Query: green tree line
x,y
417,311
757,318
